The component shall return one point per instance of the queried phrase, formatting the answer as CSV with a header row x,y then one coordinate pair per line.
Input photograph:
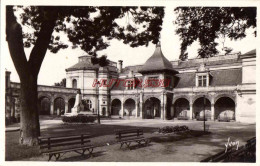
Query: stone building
x,y
223,86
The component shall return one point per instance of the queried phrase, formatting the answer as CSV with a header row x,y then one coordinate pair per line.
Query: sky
x,y
54,65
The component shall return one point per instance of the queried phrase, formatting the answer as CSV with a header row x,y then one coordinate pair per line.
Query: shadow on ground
x,y
193,145
82,157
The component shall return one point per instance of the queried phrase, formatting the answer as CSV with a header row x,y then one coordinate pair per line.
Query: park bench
x,y
55,146
133,135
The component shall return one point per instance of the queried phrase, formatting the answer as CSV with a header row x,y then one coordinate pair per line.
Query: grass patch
x,y
160,138
15,151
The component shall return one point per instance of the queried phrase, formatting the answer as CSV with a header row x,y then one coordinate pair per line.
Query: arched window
x,y
89,104
74,83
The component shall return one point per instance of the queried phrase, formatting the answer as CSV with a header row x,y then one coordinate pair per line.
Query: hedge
x,y
173,129
79,119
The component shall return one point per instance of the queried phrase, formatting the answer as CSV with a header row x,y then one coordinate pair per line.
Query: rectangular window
x,y
153,82
130,85
204,78
202,81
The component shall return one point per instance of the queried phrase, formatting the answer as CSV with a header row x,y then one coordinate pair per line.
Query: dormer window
x,y
202,80
202,76
130,84
153,81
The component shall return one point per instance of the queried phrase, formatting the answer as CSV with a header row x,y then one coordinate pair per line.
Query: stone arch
x,y
201,96
129,107
148,97
181,107
115,99
44,105
59,106
180,97
116,106
70,97
198,108
225,108
59,96
225,95
41,95
152,108
129,97
88,104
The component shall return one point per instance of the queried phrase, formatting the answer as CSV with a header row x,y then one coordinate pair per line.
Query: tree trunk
x,y
30,127
28,71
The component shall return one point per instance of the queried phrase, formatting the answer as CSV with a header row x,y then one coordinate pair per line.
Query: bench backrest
x,y
127,134
51,142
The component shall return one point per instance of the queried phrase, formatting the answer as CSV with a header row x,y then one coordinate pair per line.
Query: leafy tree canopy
x,y
62,83
206,24
91,28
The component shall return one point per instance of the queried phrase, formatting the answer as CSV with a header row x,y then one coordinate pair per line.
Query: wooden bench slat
x,y
66,150
129,131
125,136
64,144
46,137
132,139
62,139
54,146
132,135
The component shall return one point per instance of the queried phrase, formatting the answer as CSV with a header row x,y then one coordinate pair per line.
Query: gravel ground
x,y
186,149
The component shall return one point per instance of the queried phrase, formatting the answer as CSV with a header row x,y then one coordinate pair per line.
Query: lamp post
x,y
204,118
98,103
164,105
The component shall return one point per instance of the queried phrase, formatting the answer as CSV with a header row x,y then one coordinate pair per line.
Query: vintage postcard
x,y
129,81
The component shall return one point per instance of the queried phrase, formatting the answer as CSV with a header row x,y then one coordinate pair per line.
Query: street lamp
x,y
204,118
98,103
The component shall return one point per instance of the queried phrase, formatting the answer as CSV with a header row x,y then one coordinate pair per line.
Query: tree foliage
x,y
206,24
91,28
62,83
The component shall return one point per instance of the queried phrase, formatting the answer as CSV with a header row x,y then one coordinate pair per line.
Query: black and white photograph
x,y
128,82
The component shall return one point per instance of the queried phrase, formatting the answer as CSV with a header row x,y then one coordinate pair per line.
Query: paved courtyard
x,y
167,148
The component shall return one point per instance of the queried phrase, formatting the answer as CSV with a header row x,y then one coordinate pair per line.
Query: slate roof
x,y
83,65
221,77
252,52
87,65
226,77
194,63
135,69
157,62
121,86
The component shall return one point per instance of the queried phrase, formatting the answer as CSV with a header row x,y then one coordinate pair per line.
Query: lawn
x,y
14,151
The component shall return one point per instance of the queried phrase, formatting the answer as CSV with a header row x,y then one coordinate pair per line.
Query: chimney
x,y
131,74
120,66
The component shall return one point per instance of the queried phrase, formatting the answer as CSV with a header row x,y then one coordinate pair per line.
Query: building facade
x,y
221,87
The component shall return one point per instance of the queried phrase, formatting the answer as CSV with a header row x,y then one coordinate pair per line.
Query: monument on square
x,y
77,106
